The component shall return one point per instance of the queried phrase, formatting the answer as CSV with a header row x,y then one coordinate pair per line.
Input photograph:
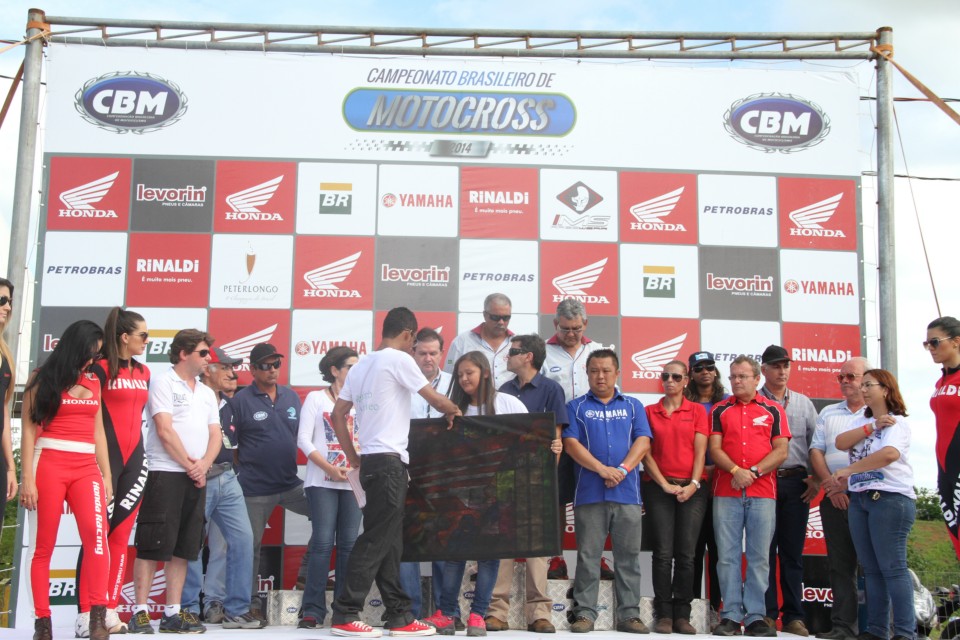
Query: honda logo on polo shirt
x,y
650,213
576,283
651,361
243,204
79,201
323,280
808,219
241,347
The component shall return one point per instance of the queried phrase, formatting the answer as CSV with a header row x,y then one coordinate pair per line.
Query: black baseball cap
x,y
774,353
263,351
700,357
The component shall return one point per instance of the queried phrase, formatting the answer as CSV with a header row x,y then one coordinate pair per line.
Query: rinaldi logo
x,y
336,197
79,201
323,280
650,214
808,219
658,282
244,203
650,361
241,347
815,523
576,283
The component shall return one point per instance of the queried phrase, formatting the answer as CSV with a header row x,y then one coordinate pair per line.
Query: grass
x,y
931,555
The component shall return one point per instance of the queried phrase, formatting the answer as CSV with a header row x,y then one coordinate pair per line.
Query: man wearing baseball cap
x,y
795,488
267,416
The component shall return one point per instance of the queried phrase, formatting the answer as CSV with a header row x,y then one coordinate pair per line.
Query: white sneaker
x,y
82,627
114,623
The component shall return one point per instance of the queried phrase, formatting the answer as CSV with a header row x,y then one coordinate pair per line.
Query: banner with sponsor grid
x,y
294,199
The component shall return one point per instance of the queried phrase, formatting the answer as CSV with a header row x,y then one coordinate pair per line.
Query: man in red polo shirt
x,y
748,440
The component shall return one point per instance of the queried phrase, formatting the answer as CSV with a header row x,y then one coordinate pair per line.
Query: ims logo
x,y
658,282
336,197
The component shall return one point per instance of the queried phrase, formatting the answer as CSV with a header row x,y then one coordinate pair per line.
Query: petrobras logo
x,y
320,347
819,287
157,587
323,280
158,349
580,198
776,122
83,270
659,281
189,196
419,200
650,361
650,213
808,220
498,276
336,197
828,356
578,282
241,347
754,286
432,276
243,204
815,524
63,586
79,202
130,102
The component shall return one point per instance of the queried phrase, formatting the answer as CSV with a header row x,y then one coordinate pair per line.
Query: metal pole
x,y
886,259
17,268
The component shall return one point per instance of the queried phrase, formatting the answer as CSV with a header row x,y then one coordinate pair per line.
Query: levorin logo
x,y
130,102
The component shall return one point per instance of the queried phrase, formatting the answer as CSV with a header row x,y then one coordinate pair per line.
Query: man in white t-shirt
x,y
379,387
183,440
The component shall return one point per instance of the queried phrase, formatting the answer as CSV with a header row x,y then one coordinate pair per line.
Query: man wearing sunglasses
x,y
267,417
825,458
489,337
795,489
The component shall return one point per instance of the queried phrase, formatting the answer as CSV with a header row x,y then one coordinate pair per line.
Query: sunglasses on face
x,y
6,300
266,366
700,368
143,335
676,377
496,318
932,343
847,377
515,351
203,353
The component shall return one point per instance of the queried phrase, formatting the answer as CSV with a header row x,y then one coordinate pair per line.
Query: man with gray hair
x,y
825,458
490,337
568,350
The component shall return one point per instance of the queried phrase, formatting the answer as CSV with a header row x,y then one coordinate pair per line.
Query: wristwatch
x,y
755,470
695,483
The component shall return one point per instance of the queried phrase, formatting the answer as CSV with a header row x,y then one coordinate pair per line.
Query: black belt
x,y
217,469
385,453
680,482
792,472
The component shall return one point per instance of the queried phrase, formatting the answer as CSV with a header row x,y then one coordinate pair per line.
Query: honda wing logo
x,y
323,280
242,347
244,204
808,219
815,523
651,361
650,214
576,283
86,195
156,588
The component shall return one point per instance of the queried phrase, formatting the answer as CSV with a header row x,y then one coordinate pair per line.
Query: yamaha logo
x,y
130,102
791,286
776,122
320,347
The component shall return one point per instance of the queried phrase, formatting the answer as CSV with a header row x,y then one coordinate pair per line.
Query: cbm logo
x,y
658,282
336,197
774,122
130,102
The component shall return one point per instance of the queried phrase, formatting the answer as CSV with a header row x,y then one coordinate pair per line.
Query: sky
x,y
923,33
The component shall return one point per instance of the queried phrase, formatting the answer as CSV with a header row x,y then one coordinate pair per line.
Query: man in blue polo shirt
x,y
607,436
267,416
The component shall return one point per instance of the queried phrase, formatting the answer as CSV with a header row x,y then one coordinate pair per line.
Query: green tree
x,y
928,504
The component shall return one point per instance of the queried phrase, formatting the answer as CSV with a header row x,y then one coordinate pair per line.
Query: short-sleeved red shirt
x,y
672,445
748,431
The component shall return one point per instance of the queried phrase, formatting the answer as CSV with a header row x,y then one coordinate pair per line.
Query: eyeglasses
x,y
849,377
931,344
573,330
496,318
700,368
203,353
514,351
739,377
867,385
266,366
6,300
676,377
143,335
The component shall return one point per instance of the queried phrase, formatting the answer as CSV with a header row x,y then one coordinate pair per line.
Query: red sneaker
x,y
415,628
355,629
476,626
606,573
557,569
445,625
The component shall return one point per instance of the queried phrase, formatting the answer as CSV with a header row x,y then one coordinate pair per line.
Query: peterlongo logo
x,y
324,280
808,220
336,197
576,283
130,102
815,524
79,202
244,204
773,122
650,361
241,347
659,282
650,214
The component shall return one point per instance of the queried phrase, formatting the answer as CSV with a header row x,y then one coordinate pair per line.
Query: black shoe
x,y
727,627
866,635
41,629
835,634
760,629
308,622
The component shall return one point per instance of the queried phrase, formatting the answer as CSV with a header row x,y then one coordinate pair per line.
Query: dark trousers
x,y
787,546
842,557
674,538
707,542
376,554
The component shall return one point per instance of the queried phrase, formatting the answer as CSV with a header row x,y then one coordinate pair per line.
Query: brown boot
x,y
42,630
98,623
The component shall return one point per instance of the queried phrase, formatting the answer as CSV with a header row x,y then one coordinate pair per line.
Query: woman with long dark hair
x,y
882,504
943,342
8,472
334,512
64,455
124,383
473,392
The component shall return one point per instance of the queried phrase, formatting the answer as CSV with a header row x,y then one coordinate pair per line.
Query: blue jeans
x,y
743,599
879,524
336,519
410,579
487,571
230,564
